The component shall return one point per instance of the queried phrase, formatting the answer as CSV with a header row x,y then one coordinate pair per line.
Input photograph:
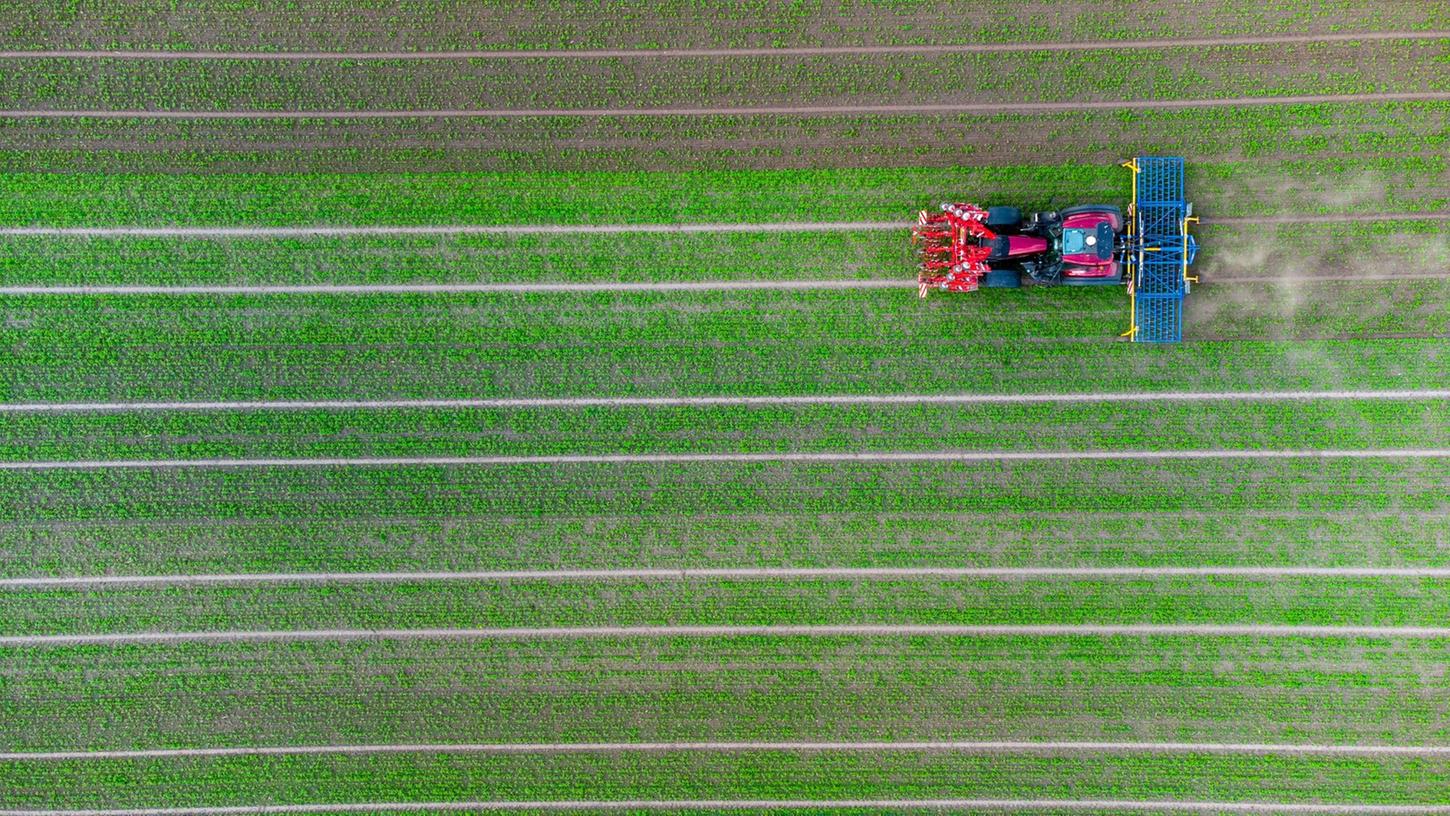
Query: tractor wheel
x,y
1004,219
1003,279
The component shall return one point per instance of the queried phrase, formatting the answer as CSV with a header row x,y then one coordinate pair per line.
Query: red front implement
x,y
954,248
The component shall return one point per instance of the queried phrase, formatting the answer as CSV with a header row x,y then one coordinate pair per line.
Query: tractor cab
x,y
1092,239
1088,244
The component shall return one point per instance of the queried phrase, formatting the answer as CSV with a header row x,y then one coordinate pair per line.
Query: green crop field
x,y
437,407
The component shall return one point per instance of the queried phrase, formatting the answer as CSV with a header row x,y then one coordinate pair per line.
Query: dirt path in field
x,y
780,630
770,110
631,53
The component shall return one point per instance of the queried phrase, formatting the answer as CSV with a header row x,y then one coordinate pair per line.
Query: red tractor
x,y
965,246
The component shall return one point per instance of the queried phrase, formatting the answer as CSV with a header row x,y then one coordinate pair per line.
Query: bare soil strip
x,y
764,110
631,53
775,630
737,747
1033,805
688,458
326,231
727,573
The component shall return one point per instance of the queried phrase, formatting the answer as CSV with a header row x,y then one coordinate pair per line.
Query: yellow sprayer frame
x,y
1132,332
1133,258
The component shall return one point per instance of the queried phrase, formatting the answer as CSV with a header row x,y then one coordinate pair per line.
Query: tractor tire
x,y
1004,219
1002,279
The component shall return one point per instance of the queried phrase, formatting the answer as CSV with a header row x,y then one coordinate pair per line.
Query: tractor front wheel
x,y
1004,219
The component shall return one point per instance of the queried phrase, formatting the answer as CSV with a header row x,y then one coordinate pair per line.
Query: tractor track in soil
x,y
764,110
656,53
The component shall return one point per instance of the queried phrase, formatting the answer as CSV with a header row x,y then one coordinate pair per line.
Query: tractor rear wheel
x,y
1004,219
1003,279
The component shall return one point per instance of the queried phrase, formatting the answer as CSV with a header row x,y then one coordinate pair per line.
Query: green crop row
x,y
56,326
745,196
1307,601
479,540
1171,689
119,348
95,199
1405,66
1258,135
724,775
1333,484
1232,425
544,322
458,258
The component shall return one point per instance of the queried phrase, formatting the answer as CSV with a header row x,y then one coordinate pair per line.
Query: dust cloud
x,y
1280,281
